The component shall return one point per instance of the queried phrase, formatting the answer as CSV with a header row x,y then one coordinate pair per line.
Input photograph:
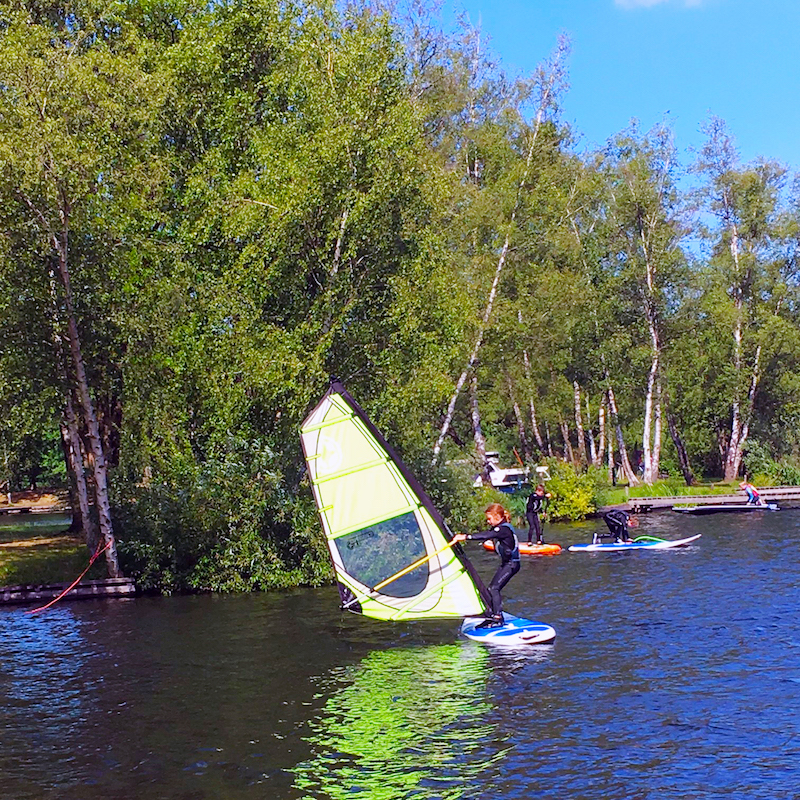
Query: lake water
x,y
675,674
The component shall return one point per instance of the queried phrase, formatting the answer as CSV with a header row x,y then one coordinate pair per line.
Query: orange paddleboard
x,y
530,550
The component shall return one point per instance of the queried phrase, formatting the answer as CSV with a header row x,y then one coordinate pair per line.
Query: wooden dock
x,y
771,494
4,510
37,593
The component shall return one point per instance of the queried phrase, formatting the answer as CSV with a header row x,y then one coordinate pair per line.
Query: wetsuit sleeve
x,y
483,535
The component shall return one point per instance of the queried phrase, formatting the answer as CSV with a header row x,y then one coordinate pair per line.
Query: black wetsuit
x,y
507,547
617,521
532,511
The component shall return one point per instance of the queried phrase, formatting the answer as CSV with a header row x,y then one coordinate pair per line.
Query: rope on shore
x,y
77,580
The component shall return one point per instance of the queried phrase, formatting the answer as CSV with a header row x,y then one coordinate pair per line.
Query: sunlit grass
x,y
619,494
34,553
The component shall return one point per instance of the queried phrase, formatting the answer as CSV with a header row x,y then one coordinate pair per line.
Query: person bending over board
x,y
753,497
618,522
507,547
533,508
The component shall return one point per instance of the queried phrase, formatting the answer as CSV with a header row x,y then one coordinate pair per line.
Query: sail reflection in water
x,y
414,719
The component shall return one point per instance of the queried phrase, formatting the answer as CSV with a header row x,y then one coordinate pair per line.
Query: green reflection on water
x,y
402,723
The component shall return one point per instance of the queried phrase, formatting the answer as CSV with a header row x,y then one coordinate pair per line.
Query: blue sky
x,y
679,60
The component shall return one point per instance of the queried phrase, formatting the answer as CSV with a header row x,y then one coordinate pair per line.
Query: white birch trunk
x,y
70,434
547,91
579,424
477,432
647,449
611,465
534,425
657,419
590,433
601,424
98,458
625,464
569,454
74,458
523,437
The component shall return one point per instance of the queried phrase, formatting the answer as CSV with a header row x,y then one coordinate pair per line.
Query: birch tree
x,y
76,104
744,203
548,82
646,215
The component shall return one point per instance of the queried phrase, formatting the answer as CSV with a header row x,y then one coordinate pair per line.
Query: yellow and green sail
x,y
379,521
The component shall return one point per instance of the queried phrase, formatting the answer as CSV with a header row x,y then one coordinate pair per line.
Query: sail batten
x,y
346,531
355,470
390,548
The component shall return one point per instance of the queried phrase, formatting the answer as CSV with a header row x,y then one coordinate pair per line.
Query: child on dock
x,y
753,497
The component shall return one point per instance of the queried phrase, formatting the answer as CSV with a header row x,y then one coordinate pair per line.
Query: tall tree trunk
x,y
523,437
569,453
534,423
612,467
590,433
82,519
601,424
102,503
579,424
657,416
548,88
651,437
740,418
549,440
647,441
477,432
740,427
680,449
625,463
337,255
81,512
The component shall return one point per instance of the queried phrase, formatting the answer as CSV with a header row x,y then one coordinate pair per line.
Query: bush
x,y
574,495
765,470
230,526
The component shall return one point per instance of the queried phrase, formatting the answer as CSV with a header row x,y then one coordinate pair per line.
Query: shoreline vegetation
x,y
34,550
206,210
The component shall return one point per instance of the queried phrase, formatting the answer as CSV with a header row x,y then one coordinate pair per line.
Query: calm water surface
x,y
674,675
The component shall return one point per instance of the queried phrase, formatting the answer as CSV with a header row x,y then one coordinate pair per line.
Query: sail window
x,y
375,553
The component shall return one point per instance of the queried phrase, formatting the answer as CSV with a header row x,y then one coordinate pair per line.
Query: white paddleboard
x,y
514,632
602,547
718,508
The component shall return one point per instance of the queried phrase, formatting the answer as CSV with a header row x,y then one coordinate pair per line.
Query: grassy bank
x,y
37,548
37,552
613,495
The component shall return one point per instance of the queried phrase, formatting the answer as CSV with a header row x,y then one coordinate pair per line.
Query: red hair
x,y
496,508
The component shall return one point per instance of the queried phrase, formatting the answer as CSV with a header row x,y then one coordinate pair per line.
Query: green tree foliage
x,y
252,196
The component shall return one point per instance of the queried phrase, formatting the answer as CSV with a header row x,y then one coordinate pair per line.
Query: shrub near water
x,y
231,525
573,494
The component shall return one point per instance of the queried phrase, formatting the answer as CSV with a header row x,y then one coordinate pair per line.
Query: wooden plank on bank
x,y
34,593
768,494
4,510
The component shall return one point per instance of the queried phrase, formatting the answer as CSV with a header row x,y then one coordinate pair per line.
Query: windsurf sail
x,y
391,549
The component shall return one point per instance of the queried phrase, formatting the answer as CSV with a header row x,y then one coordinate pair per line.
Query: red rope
x,y
75,582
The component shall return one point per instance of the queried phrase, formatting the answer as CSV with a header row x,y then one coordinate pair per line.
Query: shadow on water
x,y
674,675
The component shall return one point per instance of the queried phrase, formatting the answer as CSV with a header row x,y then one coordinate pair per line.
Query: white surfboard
x,y
661,544
720,508
516,631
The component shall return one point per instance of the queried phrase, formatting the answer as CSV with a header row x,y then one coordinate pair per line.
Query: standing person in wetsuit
x,y
533,508
753,497
507,547
618,522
